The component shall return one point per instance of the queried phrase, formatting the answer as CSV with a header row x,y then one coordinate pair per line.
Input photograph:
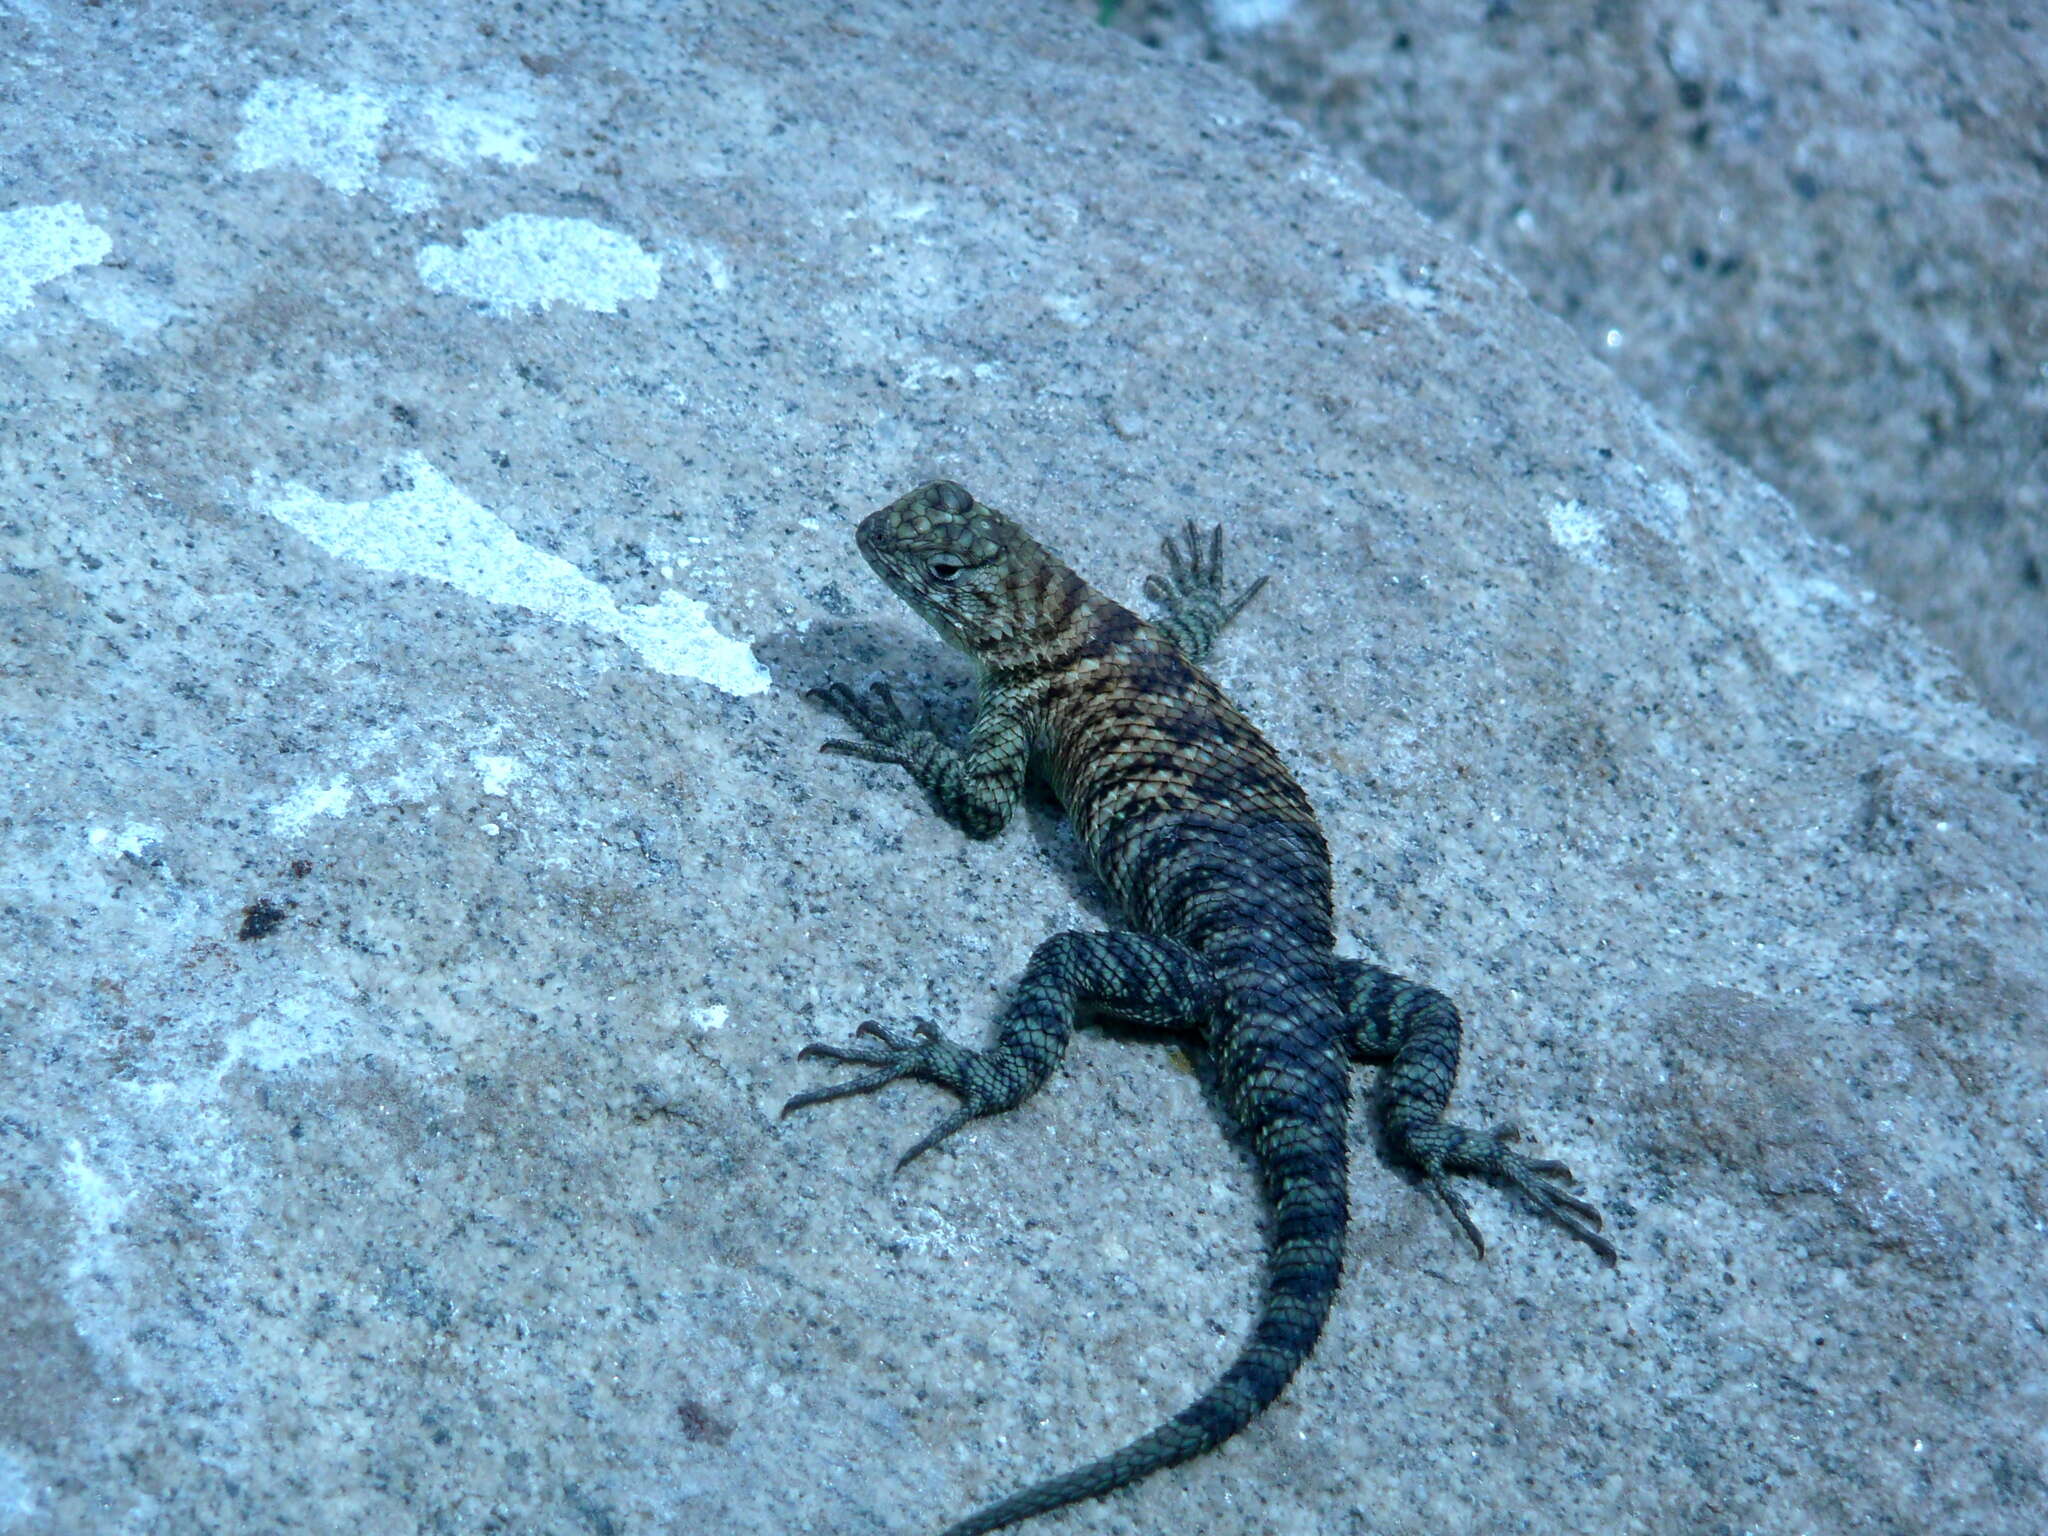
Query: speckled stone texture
x,y
1812,231
430,445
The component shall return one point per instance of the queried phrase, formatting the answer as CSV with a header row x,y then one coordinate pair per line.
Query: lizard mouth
x,y
889,564
866,539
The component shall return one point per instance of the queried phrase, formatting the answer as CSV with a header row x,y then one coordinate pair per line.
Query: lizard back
x,y
1190,817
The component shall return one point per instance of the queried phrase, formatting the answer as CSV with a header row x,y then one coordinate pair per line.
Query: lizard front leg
x,y
1195,610
1134,976
1415,1029
976,788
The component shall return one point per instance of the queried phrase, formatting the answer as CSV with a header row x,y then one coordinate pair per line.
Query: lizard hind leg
x,y
1416,1031
1136,976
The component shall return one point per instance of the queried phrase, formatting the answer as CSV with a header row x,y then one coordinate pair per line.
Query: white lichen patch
x,y
131,839
430,528
703,254
410,194
1580,529
889,207
286,1034
98,1204
132,312
44,242
297,125
1249,15
496,772
922,371
674,635
1412,287
1666,506
421,767
292,815
297,1030
462,132
526,261
340,136
1070,309
18,1484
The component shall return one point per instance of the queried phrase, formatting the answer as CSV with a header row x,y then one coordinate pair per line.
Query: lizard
x,y
1217,861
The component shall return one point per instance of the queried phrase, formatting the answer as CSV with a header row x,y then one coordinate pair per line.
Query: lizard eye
x,y
943,569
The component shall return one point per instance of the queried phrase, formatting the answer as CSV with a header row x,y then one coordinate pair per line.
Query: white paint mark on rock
x,y
526,261
431,528
1580,529
330,135
44,242
292,815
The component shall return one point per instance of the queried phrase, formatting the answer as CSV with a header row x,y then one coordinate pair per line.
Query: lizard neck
x,y
1062,623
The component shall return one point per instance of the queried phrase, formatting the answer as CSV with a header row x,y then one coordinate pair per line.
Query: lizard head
x,y
971,573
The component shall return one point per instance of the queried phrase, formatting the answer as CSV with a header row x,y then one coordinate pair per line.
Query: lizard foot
x,y
1191,592
926,1055
1447,1149
886,736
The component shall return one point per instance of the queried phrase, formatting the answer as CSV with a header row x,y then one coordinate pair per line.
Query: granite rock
x,y
1810,231
431,444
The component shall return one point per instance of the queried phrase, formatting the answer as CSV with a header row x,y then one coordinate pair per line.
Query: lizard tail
x,y
1307,1183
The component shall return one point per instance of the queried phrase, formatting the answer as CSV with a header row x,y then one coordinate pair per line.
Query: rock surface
x,y
431,446
1811,231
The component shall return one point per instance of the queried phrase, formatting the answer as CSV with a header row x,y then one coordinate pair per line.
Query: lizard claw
x,y
893,1056
924,1053
1538,1180
1191,593
938,1133
1543,1179
1455,1204
879,711
879,719
1442,1149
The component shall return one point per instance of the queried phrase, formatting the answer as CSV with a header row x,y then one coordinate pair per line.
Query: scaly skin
x,y
1219,865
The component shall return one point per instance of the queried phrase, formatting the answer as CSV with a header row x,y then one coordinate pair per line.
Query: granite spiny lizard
x,y
1218,863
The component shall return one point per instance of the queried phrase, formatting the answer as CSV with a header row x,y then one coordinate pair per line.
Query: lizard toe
x,y
937,1134
1454,1202
1538,1181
